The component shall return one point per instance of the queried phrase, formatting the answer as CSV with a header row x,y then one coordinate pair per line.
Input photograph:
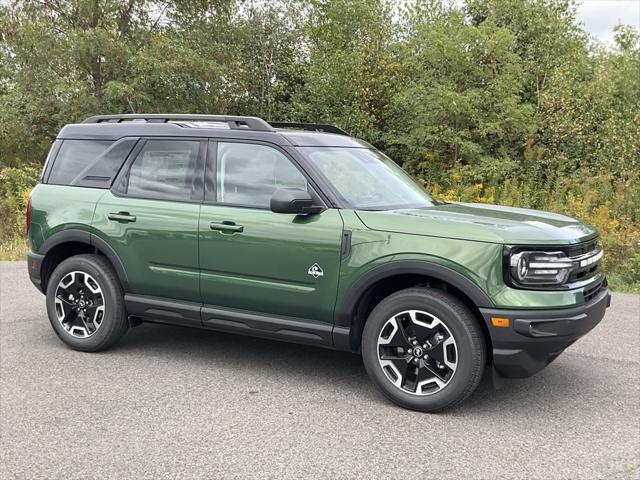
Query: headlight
x,y
551,268
540,268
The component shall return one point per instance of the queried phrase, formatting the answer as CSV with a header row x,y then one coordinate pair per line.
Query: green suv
x,y
301,233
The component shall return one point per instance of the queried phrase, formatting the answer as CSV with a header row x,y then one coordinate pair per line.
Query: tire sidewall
x,y
470,355
112,294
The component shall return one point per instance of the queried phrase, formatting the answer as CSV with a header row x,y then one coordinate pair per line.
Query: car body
x,y
237,225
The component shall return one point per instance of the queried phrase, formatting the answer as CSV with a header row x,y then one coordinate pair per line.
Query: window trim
x,y
50,160
121,182
211,173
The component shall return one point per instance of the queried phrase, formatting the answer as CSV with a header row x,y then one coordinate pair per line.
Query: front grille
x,y
585,273
591,293
580,249
581,252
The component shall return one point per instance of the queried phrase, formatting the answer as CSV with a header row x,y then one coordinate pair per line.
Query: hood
x,y
483,223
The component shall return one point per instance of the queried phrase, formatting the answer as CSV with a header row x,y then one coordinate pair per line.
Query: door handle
x,y
226,227
122,217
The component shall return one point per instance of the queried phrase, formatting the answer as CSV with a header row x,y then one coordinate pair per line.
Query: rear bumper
x,y
535,338
34,264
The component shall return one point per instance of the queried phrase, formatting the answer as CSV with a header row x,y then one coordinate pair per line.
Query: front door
x,y
253,259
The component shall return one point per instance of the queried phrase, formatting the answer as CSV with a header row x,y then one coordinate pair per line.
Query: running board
x,y
243,322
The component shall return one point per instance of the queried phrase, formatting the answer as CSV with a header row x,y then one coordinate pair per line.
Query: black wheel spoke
x,y
435,371
437,353
85,325
393,355
64,299
69,315
402,335
426,373
81,281
399,362
422,333
410,379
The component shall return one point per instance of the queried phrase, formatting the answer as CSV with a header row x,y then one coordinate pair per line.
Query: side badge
x,y
315,271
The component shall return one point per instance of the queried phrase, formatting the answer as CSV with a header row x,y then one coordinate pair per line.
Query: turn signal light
x,y
500,322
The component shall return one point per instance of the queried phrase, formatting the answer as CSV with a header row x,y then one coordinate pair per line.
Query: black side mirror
x,y
293,200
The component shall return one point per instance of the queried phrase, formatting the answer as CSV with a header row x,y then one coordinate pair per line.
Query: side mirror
x,y
292,200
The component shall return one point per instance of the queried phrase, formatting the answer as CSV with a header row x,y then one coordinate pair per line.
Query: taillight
x,y
28,217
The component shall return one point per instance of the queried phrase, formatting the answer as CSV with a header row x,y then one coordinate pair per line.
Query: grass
x,y
618,283
13,249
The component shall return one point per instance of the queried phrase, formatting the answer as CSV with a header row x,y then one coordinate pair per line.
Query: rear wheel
x,y
85,303
423,349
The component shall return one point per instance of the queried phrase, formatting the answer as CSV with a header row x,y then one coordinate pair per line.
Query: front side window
x,y
365,179
164,169
248,174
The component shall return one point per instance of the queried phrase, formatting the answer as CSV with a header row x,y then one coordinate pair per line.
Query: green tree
x,y
459,100
349,69
64,54
546,33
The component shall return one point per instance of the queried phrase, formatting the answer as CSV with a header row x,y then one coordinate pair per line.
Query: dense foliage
x,y
504,101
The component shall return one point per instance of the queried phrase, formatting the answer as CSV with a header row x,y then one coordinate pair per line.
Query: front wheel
x,y
423,349
85,303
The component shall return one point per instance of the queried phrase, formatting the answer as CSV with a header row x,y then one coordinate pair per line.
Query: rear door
x,y
150,217
253,259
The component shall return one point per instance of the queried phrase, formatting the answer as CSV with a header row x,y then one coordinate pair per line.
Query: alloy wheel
x,y
417,352
79,304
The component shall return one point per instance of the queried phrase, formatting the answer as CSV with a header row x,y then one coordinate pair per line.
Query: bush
x,y
15,185
627,278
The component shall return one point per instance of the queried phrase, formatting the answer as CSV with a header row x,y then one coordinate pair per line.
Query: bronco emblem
x,y
315,271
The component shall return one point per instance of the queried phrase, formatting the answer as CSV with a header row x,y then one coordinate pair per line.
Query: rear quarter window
x,y
89,163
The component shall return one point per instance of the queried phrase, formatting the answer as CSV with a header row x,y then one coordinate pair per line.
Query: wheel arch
x,y
376,284
67,243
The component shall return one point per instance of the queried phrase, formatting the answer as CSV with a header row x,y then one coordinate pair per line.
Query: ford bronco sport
x,y
299,232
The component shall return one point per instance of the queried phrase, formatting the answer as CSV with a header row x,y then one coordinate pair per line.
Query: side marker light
x,y
500,322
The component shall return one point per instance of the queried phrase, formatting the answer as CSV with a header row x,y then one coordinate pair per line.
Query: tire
x,y
86,281
437,377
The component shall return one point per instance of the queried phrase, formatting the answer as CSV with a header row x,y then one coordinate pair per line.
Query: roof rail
x,y
249,123
315,127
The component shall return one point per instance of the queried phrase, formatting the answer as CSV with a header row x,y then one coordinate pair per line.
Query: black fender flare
x,y
345,311
64,236
83,236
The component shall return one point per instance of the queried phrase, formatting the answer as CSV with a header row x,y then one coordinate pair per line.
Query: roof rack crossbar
x,y
234,122
315,127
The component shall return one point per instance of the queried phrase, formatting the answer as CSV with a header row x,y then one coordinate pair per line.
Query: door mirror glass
x,y
292,200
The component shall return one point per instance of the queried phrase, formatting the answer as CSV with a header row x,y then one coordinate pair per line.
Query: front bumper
x,y
534,338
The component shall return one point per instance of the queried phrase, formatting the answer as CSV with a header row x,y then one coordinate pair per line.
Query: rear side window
x,y
89,163
165,169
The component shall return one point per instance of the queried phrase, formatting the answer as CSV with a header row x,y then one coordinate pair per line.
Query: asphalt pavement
x,y
171,402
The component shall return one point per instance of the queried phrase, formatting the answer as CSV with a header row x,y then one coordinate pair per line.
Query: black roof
x,y
113,127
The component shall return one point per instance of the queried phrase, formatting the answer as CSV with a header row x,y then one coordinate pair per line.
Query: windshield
x,y
366,179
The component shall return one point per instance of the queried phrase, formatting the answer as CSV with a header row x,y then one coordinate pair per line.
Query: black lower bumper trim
x,y
34,264
535,338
